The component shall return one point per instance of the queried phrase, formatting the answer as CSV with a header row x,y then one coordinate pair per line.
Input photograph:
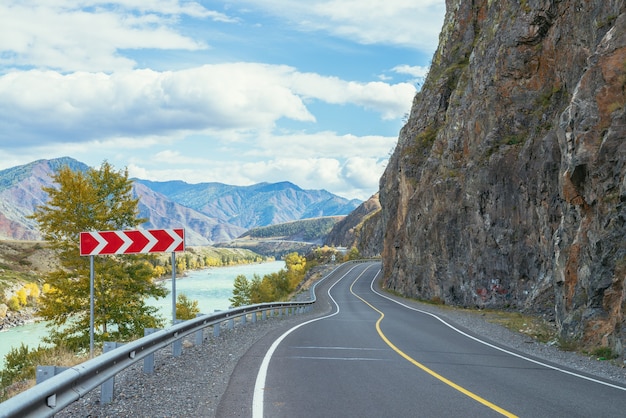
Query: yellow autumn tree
x,y
95,200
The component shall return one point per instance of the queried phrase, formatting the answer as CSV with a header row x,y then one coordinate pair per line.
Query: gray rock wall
x,y
507,185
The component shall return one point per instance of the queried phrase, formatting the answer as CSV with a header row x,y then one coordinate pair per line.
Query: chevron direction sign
x,y
139,241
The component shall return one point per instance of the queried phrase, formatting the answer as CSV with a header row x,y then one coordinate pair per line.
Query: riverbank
x,y
17,319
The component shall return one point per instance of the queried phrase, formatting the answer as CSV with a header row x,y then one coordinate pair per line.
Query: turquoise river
x,y
212,288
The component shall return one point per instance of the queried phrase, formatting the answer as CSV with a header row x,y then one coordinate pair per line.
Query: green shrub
x,y
14,304
21,364
186,308
604,353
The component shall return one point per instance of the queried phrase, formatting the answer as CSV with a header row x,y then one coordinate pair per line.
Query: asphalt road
x,y
371,356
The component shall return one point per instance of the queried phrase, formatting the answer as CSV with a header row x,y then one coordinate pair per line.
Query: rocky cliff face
x,y
361,228
507,187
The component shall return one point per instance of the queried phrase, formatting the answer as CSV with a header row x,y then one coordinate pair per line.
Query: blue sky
x,y
238,92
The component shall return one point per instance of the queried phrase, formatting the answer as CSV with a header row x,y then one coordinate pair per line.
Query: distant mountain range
x,y
209,212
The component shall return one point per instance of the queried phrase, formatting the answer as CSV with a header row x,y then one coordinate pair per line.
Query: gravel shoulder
x,y
187,386
193,384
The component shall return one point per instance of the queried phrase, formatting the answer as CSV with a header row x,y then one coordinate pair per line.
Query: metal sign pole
x,y
173,288
91,305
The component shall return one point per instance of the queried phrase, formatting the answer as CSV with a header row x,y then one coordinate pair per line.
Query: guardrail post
x,y
243,319
199,333
148,361
177,346
216,327
108,387
253,317
263,315
231,323
46,372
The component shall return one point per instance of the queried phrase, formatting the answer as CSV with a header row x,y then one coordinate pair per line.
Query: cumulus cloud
x,y
240,96
413,70
88,35
75,79
389,100
327,145
344,164
367,22
354,179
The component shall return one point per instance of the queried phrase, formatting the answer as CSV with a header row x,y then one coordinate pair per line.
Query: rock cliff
x,y
507,186
361,228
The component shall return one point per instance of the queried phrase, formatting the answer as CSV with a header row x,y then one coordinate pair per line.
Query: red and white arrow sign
x,y
139,241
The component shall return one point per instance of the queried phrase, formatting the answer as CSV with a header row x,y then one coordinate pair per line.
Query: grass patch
x,y
421,144
608,21
514,139
604,353
535,327
566,344
545,98
19,373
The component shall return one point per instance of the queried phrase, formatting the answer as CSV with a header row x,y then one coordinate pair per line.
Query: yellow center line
x,y
426,369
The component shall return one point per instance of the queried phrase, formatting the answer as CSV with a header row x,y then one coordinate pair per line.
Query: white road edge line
x,y
259,386
558,369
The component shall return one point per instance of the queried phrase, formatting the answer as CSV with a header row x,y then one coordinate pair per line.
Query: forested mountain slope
x,y
209,212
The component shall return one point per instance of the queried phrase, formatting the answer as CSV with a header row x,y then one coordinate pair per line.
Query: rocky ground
x,y
21,262
15,319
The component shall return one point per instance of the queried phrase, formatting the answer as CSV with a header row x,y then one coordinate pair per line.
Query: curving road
x,y
372,356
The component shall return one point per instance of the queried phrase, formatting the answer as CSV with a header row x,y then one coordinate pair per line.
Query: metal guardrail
x,y
54,394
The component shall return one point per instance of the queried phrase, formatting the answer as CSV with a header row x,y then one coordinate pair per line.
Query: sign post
x,y
91,305
173,288
141,241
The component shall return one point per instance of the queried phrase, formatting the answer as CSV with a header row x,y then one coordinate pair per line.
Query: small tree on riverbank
x,y
271,287
186,308
241,291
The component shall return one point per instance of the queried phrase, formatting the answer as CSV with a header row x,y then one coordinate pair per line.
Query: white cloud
x,y
327,145
418,73
71,84
347,165
81,107
170,157
413,70
408,23
354,179
363,173
389,100
88,35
